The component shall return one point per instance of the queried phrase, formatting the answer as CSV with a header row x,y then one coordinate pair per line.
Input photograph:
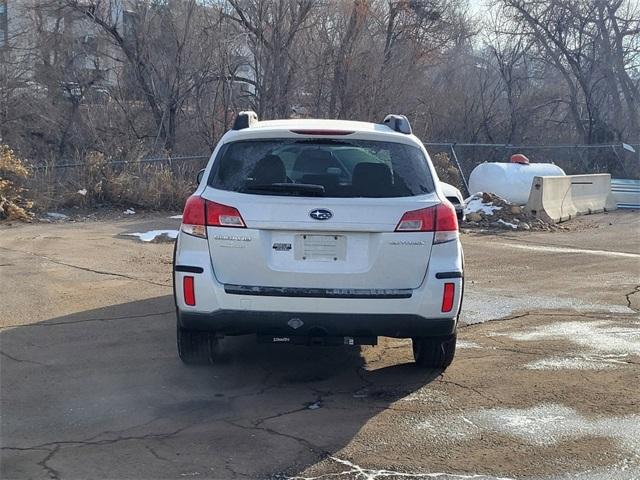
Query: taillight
x,y
189,291
440,219
422,220
200,213
447,297
219,215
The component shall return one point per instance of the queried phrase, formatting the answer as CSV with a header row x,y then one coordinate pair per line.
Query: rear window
x,y
328,168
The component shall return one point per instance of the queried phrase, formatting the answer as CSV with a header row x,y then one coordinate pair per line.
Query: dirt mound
x,y
487,210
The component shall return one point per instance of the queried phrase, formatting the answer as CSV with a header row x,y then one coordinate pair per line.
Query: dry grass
x,y
99,182
447,171
13,174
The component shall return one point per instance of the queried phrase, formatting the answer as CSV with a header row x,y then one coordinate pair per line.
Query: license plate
x,y
320,248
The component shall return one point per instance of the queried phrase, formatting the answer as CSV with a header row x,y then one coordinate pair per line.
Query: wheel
x,y
196,347
434,352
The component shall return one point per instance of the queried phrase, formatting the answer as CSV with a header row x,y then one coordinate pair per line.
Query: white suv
x,y
319,232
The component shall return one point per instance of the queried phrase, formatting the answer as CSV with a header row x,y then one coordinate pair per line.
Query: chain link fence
x,y
157,183
164,182
620,160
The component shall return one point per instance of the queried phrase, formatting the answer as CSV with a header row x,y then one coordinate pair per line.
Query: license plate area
x,y
320,248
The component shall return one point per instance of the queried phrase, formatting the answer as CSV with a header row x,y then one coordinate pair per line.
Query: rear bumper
x,y
238,322
240,309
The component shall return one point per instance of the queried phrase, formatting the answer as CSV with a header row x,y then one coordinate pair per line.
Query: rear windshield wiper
x,y
301,189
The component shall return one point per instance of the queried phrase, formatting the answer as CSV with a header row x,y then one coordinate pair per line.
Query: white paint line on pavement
x,y
550,249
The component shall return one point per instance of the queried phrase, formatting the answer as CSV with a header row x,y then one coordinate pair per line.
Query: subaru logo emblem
x,y
320,214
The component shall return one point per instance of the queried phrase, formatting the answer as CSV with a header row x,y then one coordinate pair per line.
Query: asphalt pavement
x,y
544,383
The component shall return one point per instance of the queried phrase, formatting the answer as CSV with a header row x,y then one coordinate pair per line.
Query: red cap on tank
x,y
519,158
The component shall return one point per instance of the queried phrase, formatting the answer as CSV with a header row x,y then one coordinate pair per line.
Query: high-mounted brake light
x,y
447,297
304,131
440,219
200,214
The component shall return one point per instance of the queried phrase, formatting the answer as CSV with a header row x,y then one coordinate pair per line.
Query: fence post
x,y
455,157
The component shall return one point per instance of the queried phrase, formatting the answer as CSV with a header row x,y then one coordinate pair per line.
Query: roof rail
x,y
399,123
245,119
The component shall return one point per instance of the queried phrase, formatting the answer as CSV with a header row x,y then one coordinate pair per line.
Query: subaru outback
x,y
318,232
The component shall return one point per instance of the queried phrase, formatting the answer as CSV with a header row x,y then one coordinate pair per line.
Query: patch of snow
x,y
491,304
151,235
129,211
624,470
549,424
56,216
82,191
507,223
176,216
575,363
429,395
466,344
446,429
599,335
314,406
474,204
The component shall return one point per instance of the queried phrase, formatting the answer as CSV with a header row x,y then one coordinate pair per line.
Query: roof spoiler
x,y
245,119
398,123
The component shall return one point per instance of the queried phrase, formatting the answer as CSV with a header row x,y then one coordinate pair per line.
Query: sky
x,y
477,6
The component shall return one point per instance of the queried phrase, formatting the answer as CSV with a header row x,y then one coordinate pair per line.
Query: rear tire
x,y
196,347
434,352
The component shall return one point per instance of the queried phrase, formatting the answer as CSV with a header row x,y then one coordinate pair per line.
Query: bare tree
x,y
578,39
163,47
272,29
125,77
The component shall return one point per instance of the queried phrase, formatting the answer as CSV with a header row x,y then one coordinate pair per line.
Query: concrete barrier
x,y
558,199
592,193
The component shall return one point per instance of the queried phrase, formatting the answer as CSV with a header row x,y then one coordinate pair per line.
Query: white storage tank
x,y
511,181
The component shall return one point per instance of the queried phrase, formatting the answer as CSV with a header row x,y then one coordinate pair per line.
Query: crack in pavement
x,y
628,296
235,473
156,455
547,313
260,421
459,385
84,443
87,269
531,351
320,452
53,473
15,359
85,320
57,446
